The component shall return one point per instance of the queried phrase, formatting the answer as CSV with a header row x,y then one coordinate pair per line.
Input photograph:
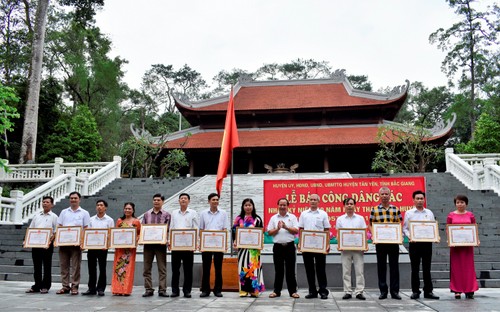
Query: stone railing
x,y
476,171
87,180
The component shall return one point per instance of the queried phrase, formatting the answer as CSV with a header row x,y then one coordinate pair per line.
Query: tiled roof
x,y
282,138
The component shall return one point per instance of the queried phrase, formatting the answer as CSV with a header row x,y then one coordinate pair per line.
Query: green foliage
x,y
7,114
486,137
403,149
76,139
175,160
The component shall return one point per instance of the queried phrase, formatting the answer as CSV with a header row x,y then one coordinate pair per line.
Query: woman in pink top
x,y
462,271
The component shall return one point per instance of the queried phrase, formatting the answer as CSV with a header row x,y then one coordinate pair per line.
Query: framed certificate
x,y
462,235
424,231
387,233
251,238
183,239
123,237
68,236
351,239
95,238
215,241
153,234
314,241
37,238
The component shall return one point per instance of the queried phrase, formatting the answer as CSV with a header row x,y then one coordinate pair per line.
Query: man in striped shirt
x,y
385,212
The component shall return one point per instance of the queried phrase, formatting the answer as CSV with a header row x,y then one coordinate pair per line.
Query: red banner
x,y
332,193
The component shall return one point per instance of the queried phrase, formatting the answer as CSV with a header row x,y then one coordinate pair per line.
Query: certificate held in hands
x,y
37,238
215,241
183,239
121,237
424,231
462,235
68,236
95,238
351,239
314,241
153,234
387,233
251,238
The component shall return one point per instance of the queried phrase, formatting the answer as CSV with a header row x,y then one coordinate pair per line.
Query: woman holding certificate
x,y
462,271
250,267
124,263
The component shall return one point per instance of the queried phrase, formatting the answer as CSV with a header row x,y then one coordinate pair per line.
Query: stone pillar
x,y
3,174
57,166
326,165
447,153
85,176
118,172
476,170
17,214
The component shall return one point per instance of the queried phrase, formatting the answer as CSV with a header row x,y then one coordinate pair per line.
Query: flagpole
x,y
231,200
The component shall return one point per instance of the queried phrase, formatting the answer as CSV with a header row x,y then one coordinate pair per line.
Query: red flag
x,y
230,140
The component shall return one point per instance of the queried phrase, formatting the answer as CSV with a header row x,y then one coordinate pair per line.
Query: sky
x,y
387,40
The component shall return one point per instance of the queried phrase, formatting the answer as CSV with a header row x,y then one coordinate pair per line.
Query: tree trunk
x,y
28,144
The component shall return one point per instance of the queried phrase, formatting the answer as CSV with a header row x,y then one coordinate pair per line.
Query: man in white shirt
x,y
42,257
419,250
71,256
94,256
351,220
212,219
315,219
283,227
183,218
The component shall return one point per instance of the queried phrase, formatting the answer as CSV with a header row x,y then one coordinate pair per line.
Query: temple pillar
x,y
191,168
250,162
326,165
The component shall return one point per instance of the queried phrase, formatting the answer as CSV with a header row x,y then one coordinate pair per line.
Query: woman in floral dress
x,y
250,266
124,263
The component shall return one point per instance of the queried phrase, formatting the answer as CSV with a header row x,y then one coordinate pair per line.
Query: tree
x,y
28,144
486,137
7,113
173,162
225,80
428,106
470,44
76,139
360,82
404,149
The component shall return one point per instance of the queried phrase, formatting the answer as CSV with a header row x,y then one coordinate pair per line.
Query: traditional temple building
x,y
321,125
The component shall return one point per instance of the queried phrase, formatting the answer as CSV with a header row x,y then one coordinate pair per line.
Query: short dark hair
x,y
213,195
159,195
184,194
102,201
462,198
418,192
283,198
49,198
348,199
75,192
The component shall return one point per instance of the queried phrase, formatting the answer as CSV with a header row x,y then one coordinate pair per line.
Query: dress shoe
x,y
217,294
204,294
148,293
395,296
347,296
187,295
469,295
382,296
173,295
311,296
431,296
323,296
415,296
44,291
360,297
100,293
163,294
89,293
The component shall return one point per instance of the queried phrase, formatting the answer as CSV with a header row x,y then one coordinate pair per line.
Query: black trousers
x,y
421,252
383,252
315,265
42,262
206,258
95,257
186,258
284,258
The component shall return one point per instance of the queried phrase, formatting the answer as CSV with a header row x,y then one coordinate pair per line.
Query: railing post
x,y
72,179
3,173
448,152
17,214
476,170
57,166
118,161
85,177
488,163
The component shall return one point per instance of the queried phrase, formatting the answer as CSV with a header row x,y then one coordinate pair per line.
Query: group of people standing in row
x,y
283,227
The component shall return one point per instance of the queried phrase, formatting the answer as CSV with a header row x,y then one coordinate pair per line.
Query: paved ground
x,y
13,298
